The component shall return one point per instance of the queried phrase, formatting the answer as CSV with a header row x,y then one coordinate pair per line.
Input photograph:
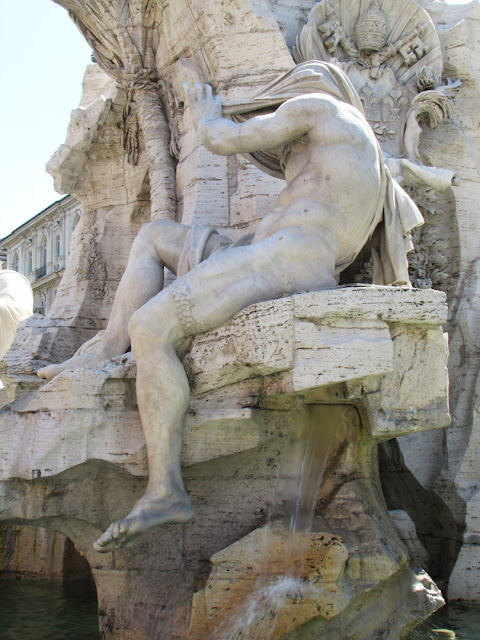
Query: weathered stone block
x,y
295,346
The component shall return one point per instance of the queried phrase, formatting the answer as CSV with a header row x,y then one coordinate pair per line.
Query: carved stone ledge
x,y
378,348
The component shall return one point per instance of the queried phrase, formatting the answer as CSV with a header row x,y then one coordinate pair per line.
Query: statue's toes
x,y
115,536
47,373
106,541
101,546
120,532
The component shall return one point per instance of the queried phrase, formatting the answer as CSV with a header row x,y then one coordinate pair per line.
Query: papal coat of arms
x,y
391,53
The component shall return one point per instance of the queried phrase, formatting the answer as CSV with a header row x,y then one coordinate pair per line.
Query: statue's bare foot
x,y
148,512
89,358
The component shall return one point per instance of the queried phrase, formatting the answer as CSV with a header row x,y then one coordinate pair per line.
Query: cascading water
x,y
295,495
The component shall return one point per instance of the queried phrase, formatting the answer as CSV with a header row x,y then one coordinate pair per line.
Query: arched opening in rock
x,y
46,585
35,552
75,566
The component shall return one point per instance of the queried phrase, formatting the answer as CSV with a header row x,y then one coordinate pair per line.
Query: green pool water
x,y
463,619
47,610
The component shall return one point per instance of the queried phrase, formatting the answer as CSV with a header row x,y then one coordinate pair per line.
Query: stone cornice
x,y
54,275
39,220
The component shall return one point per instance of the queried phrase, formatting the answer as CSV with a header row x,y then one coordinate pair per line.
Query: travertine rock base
x,y
76,461
447,464
241,598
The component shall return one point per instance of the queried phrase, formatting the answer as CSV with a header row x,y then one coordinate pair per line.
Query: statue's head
x,y
371,29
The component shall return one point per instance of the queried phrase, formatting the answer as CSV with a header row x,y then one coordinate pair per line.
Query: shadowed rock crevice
x,y
436,527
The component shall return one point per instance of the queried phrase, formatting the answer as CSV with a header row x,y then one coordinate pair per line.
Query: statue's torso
x,y
333,178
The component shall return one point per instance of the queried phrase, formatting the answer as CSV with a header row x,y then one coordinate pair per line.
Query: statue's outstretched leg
x,y
287,262
158,244
162,394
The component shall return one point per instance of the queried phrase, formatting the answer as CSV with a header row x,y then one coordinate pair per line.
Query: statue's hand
x,y
203,106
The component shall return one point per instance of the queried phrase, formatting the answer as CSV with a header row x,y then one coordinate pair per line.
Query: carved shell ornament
x,y
391,53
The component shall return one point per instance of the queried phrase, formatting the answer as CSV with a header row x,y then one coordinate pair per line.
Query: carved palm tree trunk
x,y
161,167
122,34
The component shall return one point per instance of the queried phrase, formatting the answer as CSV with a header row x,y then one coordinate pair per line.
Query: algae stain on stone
x,y
17,570
52,551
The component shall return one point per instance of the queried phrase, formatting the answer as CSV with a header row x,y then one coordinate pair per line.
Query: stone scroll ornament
x,y
391,53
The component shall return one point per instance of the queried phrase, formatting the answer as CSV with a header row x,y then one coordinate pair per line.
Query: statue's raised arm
x,y
225,137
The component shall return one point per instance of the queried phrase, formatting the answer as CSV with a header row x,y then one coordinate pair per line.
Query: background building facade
x,y
40,247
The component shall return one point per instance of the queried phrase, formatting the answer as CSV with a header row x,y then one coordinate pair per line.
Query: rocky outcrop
x,y
115,204
445,465
76,460
312,602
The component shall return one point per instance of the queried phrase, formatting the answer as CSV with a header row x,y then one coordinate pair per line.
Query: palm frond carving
x,y
124,37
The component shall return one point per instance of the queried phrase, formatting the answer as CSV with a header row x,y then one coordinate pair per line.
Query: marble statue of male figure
x,y
337,192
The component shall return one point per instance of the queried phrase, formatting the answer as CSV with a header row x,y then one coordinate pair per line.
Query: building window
x,y
15,262
43,252
57,247
29,263
42,259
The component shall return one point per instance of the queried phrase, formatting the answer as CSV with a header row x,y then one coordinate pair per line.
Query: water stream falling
x,y
286,536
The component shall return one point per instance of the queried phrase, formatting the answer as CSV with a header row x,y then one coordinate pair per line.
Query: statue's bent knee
x,y
138,325
144,236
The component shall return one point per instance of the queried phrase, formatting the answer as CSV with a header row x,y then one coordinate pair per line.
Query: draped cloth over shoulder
x,y
305,78
397,214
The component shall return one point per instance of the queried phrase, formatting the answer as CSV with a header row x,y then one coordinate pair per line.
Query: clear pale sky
x,y
43,60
